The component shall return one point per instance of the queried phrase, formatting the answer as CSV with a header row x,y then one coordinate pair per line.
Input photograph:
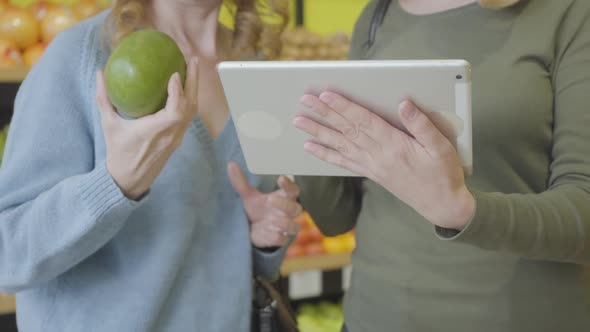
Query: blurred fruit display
x,y
28,26
33,54
311,242
9,54
321,317
301,44
55,20
3,135
20,26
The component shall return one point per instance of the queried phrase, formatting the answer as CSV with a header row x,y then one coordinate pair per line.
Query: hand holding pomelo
x,y
138,71
138,150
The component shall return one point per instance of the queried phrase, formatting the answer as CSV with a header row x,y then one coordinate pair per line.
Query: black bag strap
x,y
265,298
378,17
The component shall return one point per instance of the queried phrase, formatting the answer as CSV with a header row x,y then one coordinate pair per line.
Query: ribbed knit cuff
x,y
473,230
268,264
101,194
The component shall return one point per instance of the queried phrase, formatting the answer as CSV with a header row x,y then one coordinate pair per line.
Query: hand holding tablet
x,y
343,118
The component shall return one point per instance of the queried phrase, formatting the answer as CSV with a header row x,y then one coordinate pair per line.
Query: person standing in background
x,y
503,249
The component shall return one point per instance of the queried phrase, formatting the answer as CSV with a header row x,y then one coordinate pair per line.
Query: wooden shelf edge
x,y
7,304
323,262
13,74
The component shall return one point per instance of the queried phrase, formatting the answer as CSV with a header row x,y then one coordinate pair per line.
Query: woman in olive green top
x,y
508,244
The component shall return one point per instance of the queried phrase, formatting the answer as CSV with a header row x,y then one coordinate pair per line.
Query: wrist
x,y
459,210
126,185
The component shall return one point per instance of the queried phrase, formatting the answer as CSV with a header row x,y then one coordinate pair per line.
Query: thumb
x,y
423,130
238,180
105,107
288,187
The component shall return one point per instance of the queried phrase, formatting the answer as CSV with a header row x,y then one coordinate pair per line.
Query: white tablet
x,y
263,98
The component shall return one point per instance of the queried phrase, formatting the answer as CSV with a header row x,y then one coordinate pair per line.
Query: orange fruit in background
x,y
55,21
20,26
9,54
85,9
40,9
7,44
33,54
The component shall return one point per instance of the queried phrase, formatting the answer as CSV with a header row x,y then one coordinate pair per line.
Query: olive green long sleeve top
x,y
518,266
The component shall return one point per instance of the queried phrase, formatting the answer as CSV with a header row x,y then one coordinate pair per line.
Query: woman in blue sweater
x,y
115,225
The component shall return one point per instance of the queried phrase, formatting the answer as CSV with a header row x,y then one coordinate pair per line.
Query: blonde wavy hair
x,y
258,25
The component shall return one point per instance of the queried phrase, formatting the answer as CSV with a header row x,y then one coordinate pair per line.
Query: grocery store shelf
x,y
323,262
13,74
7,304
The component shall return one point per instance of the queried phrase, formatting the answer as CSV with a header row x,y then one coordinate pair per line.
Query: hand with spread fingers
x,y
272,215
423,170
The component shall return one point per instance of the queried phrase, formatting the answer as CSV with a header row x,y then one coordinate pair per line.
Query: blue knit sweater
x,y
82,257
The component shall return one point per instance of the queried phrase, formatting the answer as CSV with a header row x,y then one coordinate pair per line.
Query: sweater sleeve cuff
x,y
102,195
475,229
268,264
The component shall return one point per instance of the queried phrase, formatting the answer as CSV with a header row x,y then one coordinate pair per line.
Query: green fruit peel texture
x,y
138,71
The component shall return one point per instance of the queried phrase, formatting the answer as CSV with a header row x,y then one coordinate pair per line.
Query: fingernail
x,y
298,121
307,101
327,98
308,146
172,86
407,110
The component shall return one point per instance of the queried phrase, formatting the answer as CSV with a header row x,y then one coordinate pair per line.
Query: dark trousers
x,y
344,329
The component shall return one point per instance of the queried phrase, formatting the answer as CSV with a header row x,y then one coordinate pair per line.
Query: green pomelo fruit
x,y
138,71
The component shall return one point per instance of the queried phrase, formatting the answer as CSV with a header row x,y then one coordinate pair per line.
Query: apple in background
x,y
315,234
20,26
301,220
303,237
314,249
33,54
295,250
